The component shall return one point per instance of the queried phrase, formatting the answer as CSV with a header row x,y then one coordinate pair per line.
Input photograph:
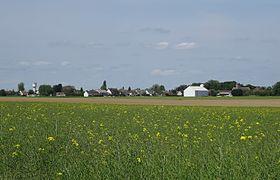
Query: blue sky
x,y
138,42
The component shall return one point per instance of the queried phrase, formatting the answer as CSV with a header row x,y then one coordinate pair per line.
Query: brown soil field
x,y
160,101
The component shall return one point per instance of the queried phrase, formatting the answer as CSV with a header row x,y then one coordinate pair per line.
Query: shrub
x,y
237,92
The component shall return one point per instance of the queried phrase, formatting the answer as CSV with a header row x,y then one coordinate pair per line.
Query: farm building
x,y
86,94
97,93
179,93
225,93
195,91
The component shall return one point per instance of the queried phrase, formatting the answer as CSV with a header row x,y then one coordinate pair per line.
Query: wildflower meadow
x,y
89,141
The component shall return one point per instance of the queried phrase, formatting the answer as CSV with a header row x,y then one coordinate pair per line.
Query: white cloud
x,y
155,30
41,63
186,45
34,63
95,44
161,45
65,63
163,72
24,63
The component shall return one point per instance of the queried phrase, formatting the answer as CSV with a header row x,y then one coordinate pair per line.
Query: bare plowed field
x,y
161,101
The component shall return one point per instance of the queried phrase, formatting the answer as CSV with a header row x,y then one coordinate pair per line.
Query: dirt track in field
x,y
146,101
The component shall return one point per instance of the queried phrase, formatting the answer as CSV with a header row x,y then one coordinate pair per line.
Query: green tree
x,y
57,88
276,89
237,92
21,86
31,91
213,92
196,84
104,86
45,90
227,85
213,84
11,93
81,91
157,89
69,90
3,92
262,91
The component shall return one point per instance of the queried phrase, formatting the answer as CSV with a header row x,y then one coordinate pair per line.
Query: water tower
x,y
34,86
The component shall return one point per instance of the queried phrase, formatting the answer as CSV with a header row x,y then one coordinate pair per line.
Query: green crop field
x,y
88,141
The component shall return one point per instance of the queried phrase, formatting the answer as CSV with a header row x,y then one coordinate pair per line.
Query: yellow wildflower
x,y
158,134
243,137
138,159
14,154
17,145
74,142
59,173
50,138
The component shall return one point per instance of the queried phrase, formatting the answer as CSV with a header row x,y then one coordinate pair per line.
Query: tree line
x,y
214,87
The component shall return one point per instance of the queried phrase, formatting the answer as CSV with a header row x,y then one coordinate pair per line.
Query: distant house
x,y
148,93
124,92
113,91
139,92
132,93
86,94
103,92
179,93
196,91
109,92
60,94
225,93
243,88
23,93
96,93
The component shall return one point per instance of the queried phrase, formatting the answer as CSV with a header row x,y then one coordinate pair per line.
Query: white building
x,y
195,91
35,88
179,93
86,94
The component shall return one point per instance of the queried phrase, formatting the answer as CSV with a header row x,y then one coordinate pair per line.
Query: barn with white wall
x,y
196,91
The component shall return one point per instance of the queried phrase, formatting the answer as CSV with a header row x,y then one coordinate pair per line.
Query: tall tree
x,y
3,92
104,85
227,85
45,90
21,86
212,84
276,89
69,90
81,91
57,88
157,89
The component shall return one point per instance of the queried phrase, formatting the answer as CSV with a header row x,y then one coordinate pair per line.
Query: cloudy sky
x,y
138,42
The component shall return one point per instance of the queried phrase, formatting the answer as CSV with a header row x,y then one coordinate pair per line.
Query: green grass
x,y
85,141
